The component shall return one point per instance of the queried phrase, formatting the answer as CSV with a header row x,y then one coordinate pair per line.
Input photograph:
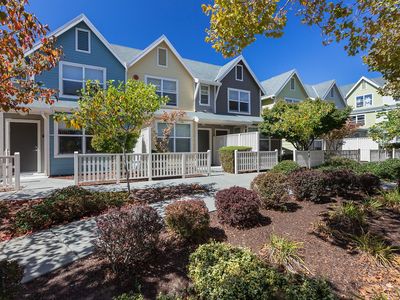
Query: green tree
x,y
366,26
301,123
116,115
388,129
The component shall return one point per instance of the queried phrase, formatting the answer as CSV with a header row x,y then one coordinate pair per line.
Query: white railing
x,y
10,175
250,161
92,168
309,159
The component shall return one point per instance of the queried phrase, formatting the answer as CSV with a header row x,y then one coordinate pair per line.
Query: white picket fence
x,y
10,175
250,161
309,159
99,168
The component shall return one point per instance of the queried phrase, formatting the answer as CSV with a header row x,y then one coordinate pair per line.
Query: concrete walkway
x,y
47,250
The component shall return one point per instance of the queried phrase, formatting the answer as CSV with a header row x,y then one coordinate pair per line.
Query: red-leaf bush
x,y
272,188
237,206
127,237
368,183
340,181
308,184
188,218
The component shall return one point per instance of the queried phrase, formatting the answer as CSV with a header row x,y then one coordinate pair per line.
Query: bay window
x,y
165,87
180,138
238,101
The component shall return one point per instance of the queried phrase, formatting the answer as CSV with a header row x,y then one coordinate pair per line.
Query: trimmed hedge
x,y
286,167
227,157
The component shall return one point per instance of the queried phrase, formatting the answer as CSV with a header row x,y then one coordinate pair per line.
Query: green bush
x,y
300,287
387,170
221,271
188,218
227,157
286,167
11,274
272,188
391,198
348,218
129,296
338,162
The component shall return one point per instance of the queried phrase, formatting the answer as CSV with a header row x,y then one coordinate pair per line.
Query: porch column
x,y
46,142
2,134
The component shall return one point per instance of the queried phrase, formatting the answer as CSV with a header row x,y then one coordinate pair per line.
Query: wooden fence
x,y
103,168
250,161
10,171
309,159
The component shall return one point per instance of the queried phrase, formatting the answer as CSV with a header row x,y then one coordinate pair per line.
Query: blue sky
x,y
137,23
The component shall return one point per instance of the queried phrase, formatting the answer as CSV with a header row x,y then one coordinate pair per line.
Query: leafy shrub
x,y
221,271
368,183
284,253
300,287
388,169
237,206
307,184
272,188
378,248
340,181
348,218
286,167
338,162
129,296
127,237
188,218
11,274
227,157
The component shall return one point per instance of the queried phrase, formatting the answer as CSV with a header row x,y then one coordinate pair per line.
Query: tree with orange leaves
x,y
19,32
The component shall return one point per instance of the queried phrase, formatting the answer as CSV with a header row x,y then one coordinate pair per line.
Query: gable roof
x,y
321,90
69,25
377,82
274,85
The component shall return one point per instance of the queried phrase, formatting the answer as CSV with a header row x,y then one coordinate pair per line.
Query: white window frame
x,y
236,72
56,135
292,100
158,57
363,101
239,91
294,84
356,117
146,77
89,40
174,137
84,67
208,99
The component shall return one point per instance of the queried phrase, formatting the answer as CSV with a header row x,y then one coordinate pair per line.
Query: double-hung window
x,y
358,119
82,40
73,78
180,138
238,101
69,140
165,87
364,100
204,94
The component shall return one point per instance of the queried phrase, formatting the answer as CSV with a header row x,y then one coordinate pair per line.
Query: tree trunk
x,y
126,170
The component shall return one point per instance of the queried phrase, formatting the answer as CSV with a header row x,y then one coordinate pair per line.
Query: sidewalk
x,y
47,250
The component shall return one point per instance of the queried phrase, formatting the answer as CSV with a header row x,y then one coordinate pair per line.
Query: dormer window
x,y
239,72
292,87
162,57
82,40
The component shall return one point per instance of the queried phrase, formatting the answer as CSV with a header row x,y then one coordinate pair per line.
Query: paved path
x,y
47,250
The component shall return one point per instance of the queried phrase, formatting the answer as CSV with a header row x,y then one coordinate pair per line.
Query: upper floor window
x,y
332,93
358,119
364,100
204,94
73,78
239,72
292,100
162,57
238,101
82,40
165,87
292,86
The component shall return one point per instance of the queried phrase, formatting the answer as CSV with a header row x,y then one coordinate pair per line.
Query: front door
x,y
203,140
24,139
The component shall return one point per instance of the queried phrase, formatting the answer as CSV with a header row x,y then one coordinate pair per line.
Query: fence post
x,y
359,155
17,173
309,159
294,155
209,162
277,156
235,161
393,153
183,165
258,161
150,166
118,168
76,168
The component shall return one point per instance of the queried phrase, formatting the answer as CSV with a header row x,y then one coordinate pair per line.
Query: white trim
x,y
237,65
356,118
46,152
358,82
60,76
209,95
169,79
174,133
69,25
161,39
39,148
294,72
209,137
363,96
240,91
166,57
89,40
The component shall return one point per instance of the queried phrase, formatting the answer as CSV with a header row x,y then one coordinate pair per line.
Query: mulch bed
x,y
350,273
